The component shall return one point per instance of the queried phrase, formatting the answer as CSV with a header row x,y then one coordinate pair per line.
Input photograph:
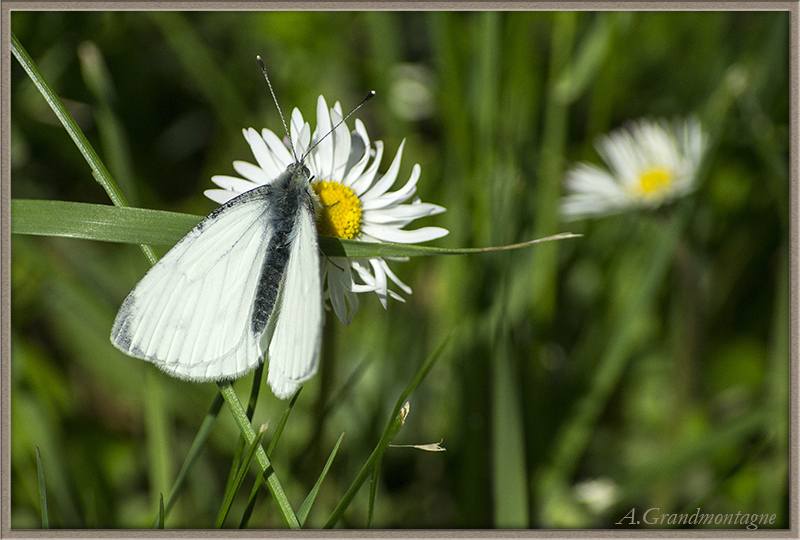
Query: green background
x,y
651,353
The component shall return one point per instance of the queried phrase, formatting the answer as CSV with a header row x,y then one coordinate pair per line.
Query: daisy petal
x,y
359,157
253,173
259,147
388,179
392,234
231,183
394,278
404,213
220,196
401,195
282,157
341,144
322,157
362,184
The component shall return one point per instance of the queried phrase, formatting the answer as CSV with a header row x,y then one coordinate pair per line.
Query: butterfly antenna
x,y
271,91
340,122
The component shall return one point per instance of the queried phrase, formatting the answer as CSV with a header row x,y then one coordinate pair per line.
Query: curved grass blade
x,y
279,430
42,489
273,484
251,407
398,423
251,502
248,511
395,423
140,225
392,428
305,507
231,492
99,170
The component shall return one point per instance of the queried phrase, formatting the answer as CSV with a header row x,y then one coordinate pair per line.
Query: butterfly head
x,y
299,170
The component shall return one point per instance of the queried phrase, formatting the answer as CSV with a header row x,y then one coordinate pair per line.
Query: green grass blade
x,y
392,428
140,225
157,421
42,490
373,489
231,492
335,247
113,140
193,454
279,430
589,59
251,407
273,484
421,374
161,512
305,507
273,443
395,423
251,502
510,475
99,222
99,171
335,401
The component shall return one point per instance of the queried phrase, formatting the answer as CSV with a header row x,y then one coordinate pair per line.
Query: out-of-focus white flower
x,y
599,494
649,163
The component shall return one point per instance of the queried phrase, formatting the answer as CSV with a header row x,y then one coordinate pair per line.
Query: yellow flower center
x,y
654,181
341,210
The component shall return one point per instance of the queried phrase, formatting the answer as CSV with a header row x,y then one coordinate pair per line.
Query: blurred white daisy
x,y
599,494
356,203
650,163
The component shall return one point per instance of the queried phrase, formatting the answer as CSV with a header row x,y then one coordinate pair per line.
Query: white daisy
x,y
650,163
355,199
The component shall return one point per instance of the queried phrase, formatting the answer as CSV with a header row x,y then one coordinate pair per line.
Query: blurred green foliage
x,y
650,356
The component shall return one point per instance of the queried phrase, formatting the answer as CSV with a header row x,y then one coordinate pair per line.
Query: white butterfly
x,y
244,280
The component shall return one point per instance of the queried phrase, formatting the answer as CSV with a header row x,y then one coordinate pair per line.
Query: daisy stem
x,y
273,484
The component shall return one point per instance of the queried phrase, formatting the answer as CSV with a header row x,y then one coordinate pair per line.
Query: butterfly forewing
x,y
190,313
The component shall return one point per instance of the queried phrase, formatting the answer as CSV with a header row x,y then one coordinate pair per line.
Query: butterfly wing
x,y
297,323
191,313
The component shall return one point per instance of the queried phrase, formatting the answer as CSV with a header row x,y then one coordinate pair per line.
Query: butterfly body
x,y
244,281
